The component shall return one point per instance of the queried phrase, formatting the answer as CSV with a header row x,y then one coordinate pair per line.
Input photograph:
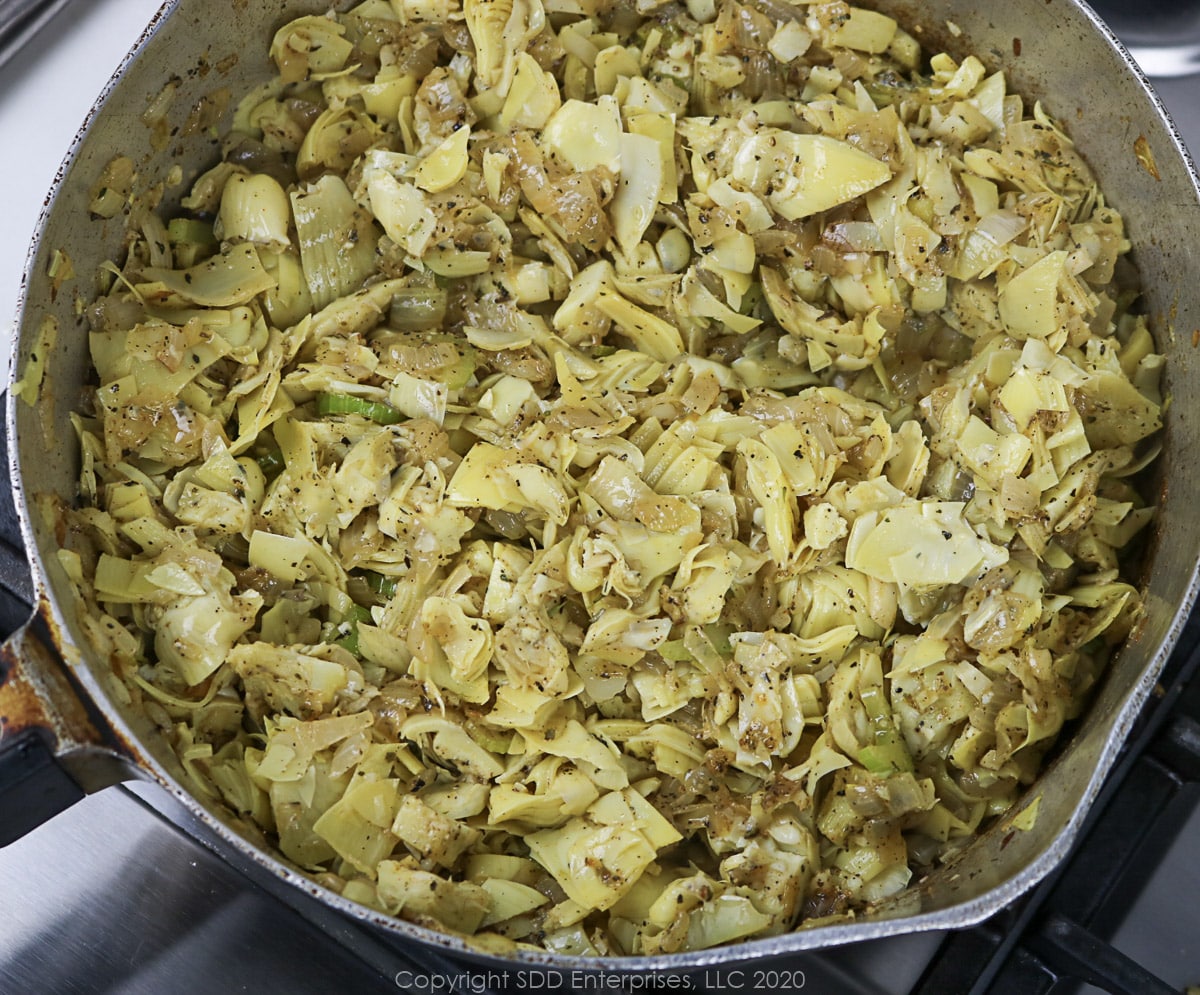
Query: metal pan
x,y
63,730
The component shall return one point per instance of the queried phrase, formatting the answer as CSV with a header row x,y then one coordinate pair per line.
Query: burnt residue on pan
x,y
35,693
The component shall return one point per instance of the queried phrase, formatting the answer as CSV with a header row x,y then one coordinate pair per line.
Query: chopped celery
x,y
271,462
347,404
347,629
379,584
181,230
887,754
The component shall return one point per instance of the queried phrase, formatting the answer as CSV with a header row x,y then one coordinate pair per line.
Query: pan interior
x,y
1062,54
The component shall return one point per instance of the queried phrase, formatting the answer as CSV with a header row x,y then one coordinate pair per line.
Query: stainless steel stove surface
x,y
117,894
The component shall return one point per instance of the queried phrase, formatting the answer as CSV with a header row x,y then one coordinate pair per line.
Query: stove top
x,y
120,894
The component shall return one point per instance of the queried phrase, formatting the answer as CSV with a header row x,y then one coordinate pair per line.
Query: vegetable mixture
x,y
618,478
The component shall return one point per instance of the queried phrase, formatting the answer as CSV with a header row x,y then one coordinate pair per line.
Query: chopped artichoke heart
x,y
653,335
865,30
418,397
196,633
599,856
1029,300
290,558
789,42
500,30
774,494
430,834
575,743
533,97
401,209
562,791
291,681
990,455
614,481
920,544
292,744
491,477
642,178
255,209
451,744
800,175
445,165
310,46
1028,392
509,900
337,244
586,136
458,905
29,386
452,649
228,278
660,127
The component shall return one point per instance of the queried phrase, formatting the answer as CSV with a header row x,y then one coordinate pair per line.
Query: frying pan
x,y
63,728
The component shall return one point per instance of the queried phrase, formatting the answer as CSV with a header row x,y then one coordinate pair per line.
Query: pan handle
x,y
54,749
